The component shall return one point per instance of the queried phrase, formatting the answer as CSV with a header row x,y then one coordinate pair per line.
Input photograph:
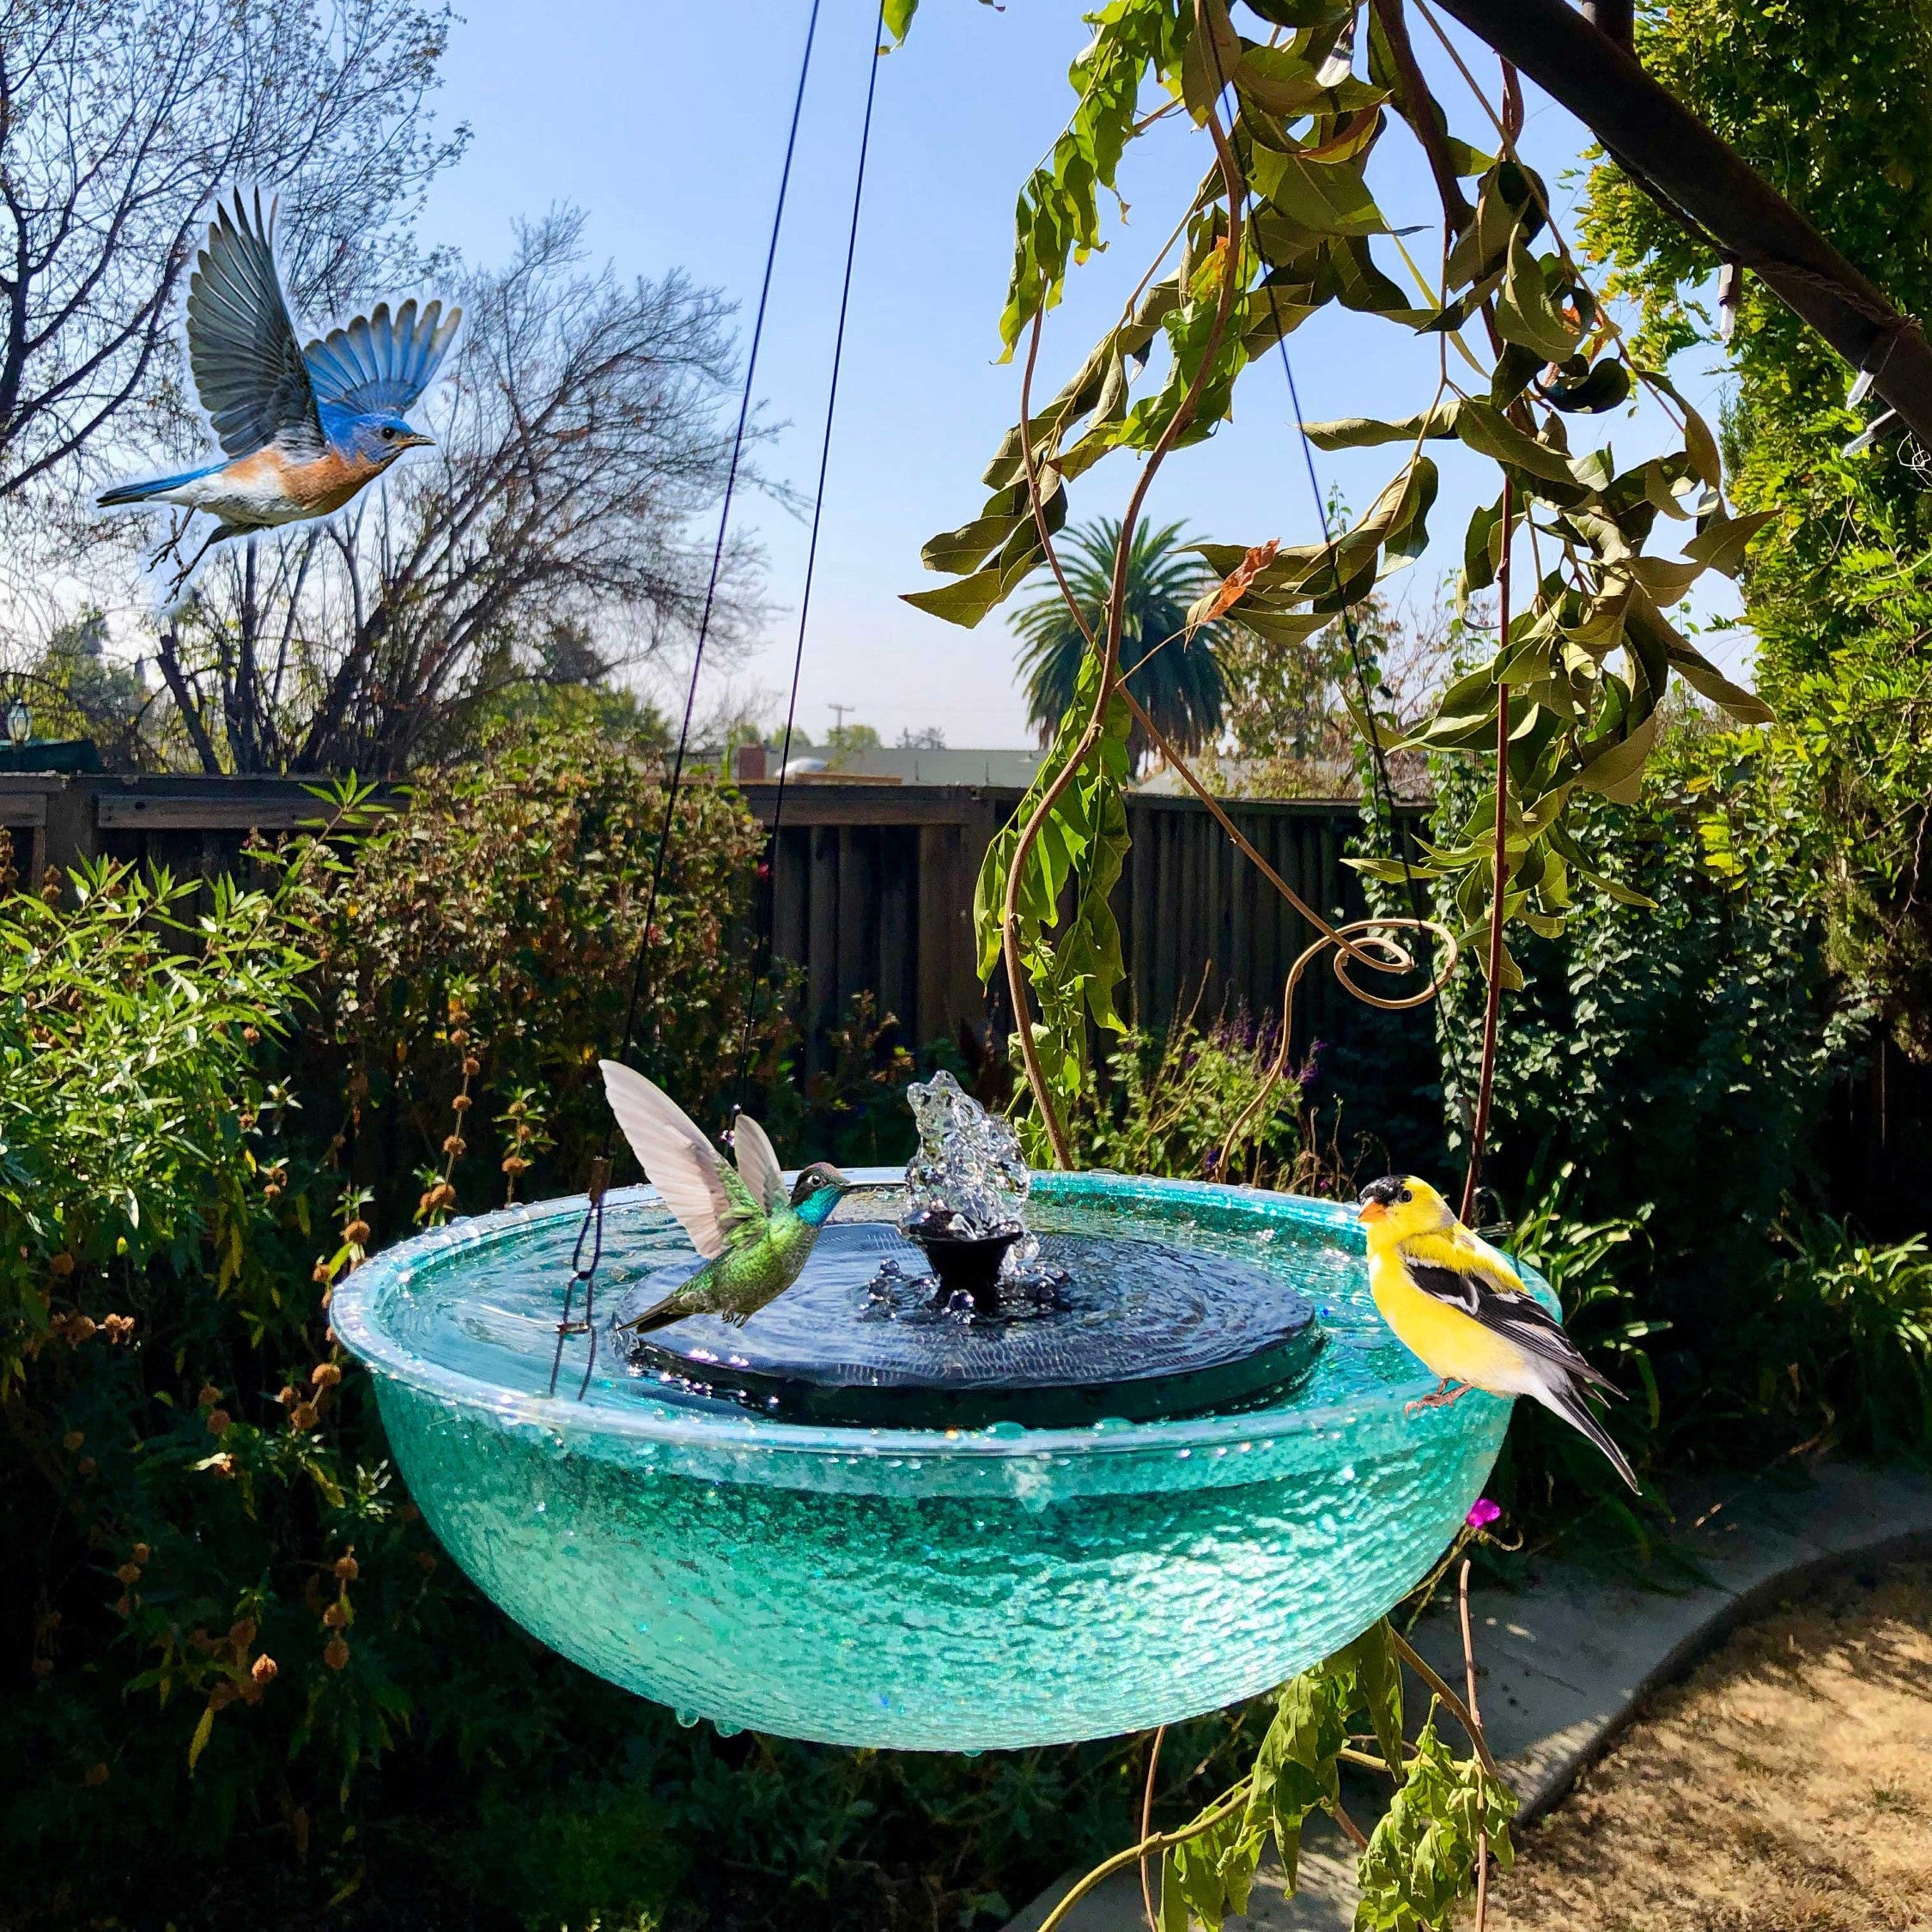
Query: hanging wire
x,y
770,922
589,1250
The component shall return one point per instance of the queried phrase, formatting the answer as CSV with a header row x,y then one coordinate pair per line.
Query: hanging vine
x,y
1283,225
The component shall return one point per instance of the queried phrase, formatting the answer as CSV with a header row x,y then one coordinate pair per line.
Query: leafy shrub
x,y
1170,1100
493,918
1678,1055
1844,1343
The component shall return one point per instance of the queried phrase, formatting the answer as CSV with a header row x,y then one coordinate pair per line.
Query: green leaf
x,y
1720,543
1371,1660
899,17
1324,197
1210,62
1607,385
203,1730
1363,431
1489,433
1524,312
1279,80
1421,1858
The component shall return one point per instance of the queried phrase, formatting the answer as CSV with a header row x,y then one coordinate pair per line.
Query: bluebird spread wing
x,y
757,1162
709,1201
1512,1313
378,363
248,372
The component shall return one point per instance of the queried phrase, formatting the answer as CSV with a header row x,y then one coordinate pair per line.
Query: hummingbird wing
x,y
710,1201
757,1164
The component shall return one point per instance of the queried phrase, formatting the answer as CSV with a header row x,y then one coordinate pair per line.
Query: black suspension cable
x,y
769,936
590,1235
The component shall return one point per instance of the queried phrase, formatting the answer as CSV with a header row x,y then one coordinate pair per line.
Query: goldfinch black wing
x,y
1518,1317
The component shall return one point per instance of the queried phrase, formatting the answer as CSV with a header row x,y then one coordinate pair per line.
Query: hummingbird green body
x,y
761,1261
754,1233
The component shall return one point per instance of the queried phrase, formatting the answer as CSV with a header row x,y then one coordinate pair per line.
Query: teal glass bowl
x,y
954,1590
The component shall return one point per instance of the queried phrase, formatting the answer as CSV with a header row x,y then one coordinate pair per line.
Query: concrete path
x,y
1563,1663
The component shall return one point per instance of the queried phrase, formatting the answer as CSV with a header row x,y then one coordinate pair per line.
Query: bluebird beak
x,y
414,439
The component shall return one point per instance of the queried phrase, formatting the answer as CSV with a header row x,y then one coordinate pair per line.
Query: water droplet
x,y
724,1728
689,1719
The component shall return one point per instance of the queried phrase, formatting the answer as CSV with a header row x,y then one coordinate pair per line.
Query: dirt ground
x,y
1786,1786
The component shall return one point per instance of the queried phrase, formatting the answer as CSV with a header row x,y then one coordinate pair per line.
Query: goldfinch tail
x,y
1561,1397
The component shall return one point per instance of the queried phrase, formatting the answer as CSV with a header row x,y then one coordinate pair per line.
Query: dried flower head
x,y
72,1440
140,1553
218,1422
302,1416
348,1569
264,1669
325,1374
128,1573
97,1774
210,1396
62,1264
356,1233
336,1616
335,1653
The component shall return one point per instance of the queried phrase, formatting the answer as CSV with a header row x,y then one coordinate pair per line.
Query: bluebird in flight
x,y
303,429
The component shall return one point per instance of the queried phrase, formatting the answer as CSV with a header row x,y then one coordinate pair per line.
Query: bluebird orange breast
x,y
325,482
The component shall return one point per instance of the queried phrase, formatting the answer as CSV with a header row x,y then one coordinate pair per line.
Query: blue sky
x,y
667,125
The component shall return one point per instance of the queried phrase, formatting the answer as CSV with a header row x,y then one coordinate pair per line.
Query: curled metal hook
x,y
1370,942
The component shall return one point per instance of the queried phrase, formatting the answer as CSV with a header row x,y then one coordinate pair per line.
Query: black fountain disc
x,y
1134,1328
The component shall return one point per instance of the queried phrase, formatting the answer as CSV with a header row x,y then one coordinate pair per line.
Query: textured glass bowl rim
x,y
352,1314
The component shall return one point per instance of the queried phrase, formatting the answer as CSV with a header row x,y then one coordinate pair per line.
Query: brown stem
x,y
1454,1705
1110,648
1161,1841
1492,1002
1356,1836
1147,1831
1417,106
1469,1677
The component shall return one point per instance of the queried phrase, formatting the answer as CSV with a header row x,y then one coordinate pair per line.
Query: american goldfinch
x,y
1453,1301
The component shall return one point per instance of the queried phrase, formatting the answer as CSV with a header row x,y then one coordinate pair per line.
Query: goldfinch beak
x,y
1371,1211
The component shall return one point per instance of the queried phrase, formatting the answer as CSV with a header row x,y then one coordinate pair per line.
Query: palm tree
x,y
1176,679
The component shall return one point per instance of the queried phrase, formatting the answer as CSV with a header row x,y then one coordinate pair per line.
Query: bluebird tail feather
x,y
155,487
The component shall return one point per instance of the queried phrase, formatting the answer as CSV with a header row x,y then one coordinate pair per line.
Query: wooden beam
x,y
1651,134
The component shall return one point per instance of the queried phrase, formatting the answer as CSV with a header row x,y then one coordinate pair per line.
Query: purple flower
x,y
1482,1513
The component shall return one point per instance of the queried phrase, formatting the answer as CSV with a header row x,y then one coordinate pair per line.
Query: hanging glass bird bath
x,y
943,1588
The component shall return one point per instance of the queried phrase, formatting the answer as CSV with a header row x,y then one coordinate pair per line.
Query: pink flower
x,y
1482,1513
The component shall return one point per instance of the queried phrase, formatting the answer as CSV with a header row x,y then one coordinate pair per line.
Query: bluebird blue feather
x,y
303,428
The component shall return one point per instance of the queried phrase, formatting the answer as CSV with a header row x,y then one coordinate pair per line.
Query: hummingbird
x,y
754,1236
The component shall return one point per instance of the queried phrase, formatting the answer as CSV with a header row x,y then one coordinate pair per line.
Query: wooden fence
x,y
870,884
